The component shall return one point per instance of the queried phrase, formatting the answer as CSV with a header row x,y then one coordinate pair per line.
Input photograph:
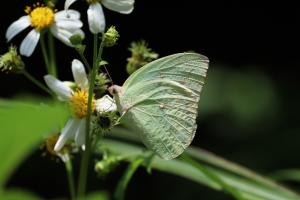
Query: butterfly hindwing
x,y
164,114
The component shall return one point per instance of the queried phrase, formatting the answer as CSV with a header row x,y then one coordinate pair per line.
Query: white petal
x,y
67,133
67,14
29,43
105,104
64,34
80,133
96,18
64,157
57,86
68,3
121,6
69,24
17,26
79,74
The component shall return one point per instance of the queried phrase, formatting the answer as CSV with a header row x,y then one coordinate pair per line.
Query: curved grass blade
x,y
248,189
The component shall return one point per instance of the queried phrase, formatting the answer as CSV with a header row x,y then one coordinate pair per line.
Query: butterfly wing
x,y
164,113
188,69
160,101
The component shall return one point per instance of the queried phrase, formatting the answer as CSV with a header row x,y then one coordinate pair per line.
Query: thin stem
x,y
69,170
45,54
52,55
86,63
86,153
36,82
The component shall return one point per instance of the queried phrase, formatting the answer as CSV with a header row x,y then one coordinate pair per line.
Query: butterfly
x,y
160,101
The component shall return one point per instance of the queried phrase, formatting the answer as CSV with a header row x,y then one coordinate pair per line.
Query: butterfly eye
x,y
115,89
112,90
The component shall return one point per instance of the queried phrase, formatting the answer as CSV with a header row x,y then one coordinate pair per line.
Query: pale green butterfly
x,y
160,101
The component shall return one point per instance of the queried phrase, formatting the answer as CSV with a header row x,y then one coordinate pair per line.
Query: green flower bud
x,y
140,56
76,39
11,62
111,37
108,164
101,84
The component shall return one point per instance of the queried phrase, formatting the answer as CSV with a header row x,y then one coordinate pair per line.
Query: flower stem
x,y
52,55
69,170
86,154
86,63
36,82
45,54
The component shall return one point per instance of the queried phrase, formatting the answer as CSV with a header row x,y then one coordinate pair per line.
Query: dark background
x,y
250,111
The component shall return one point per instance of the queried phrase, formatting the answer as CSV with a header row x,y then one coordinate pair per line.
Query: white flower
x,y
75,128
62,25
95,14
105,104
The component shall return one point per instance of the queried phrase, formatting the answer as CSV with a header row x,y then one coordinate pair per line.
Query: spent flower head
x,y
11,62
101,84
48,147
108,163
141,54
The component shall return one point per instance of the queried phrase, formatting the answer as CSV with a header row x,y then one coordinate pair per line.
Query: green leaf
x,y
209,158
17,195
103,62
235,193
23,126
97,196
214,160
287,175
248,188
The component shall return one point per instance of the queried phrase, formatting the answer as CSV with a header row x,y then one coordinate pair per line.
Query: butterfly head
x,y
117,91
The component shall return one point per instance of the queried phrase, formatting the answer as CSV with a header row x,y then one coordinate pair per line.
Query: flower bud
x,y
11,62
76,39
111,37
140,56
108,164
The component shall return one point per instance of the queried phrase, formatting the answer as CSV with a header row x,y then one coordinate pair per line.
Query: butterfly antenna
x,y
108,75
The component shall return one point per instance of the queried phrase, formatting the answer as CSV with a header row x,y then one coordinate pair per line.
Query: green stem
x,y
36,82
86,63
69,170
86,154
45,54
52,55
124,181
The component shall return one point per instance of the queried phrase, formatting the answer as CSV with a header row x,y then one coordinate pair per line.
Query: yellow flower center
x,y
79,102
41,16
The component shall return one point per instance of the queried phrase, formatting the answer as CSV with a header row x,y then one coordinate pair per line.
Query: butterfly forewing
x,y
188,69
